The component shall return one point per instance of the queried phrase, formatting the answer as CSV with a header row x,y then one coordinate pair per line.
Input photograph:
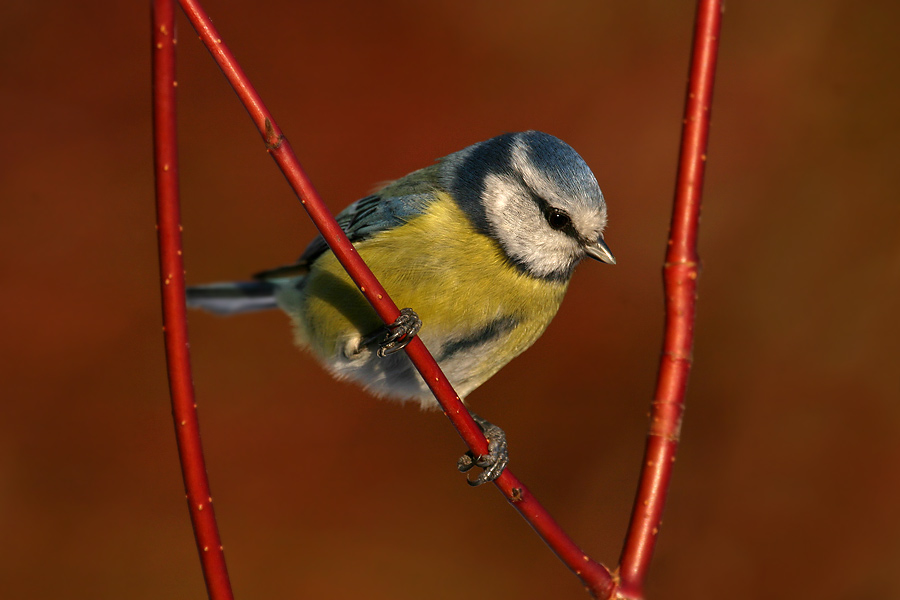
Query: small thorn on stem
x,y
273,142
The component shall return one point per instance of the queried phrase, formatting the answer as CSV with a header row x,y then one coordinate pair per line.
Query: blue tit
x,y
481,245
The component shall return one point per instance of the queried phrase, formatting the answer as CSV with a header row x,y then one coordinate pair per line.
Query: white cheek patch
x,y
522,230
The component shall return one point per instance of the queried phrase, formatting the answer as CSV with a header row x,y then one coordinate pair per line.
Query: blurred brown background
x,y
787,484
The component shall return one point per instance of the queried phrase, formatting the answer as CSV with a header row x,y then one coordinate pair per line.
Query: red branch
x,y
680,276
168,225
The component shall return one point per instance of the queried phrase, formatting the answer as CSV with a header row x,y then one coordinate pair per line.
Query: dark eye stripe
x,y
557,218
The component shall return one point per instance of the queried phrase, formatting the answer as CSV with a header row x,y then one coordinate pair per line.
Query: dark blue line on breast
x,y
492,330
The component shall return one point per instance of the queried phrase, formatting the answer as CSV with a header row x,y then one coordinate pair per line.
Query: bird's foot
x,y
400,333
494,461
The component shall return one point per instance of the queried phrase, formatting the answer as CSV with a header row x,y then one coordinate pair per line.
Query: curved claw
x,y
400,333
494,461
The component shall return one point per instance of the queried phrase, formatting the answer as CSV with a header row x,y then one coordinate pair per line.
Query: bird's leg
x,y
397,335
494,461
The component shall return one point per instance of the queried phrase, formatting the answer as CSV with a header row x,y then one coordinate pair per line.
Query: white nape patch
x,y
496,196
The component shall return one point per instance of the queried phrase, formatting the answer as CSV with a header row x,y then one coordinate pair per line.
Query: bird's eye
x,y
558,219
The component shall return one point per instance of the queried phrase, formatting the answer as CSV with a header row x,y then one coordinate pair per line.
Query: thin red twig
x,y
181,389
680,276
594,575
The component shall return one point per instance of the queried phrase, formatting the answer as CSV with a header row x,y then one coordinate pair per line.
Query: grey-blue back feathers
x,y
370,215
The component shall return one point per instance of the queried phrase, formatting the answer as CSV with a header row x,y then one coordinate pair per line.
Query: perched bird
x,y
480,245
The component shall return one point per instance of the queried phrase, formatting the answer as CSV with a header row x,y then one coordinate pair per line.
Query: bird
x,y
479,247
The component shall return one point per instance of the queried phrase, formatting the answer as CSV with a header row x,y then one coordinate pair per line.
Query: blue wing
x,y
390,207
